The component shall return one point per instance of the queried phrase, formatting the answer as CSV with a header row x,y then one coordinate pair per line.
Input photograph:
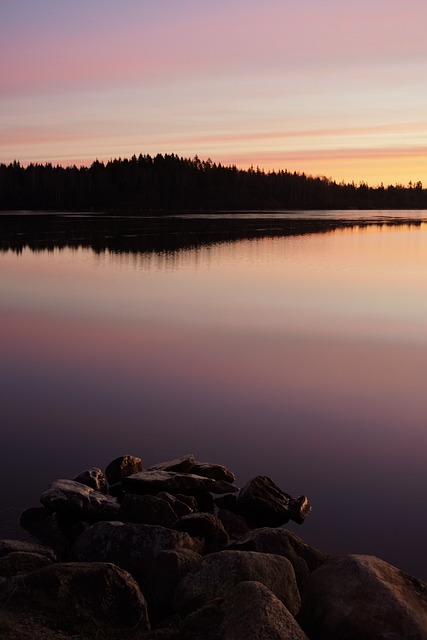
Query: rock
x,y
215,471
262,503
96,595
181,504
165,573
93,478
235,525
183,465
79,501
147,510
133,547
228,501
13,546
303,558
122,467
219,572
50,530
249,612
207,526
153,482
21,562
358,596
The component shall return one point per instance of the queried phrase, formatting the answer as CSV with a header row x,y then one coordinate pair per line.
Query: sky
x,y
333,88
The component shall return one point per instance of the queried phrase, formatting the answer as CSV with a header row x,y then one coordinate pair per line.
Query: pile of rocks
x,y
178,551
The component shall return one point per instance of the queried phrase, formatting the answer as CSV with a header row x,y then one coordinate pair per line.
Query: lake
x,y
289,345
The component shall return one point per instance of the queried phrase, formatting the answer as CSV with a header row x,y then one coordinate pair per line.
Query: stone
x,y
215,471
13,546
96,595
21,562
122,467
207,526
153,482
168,568
93,478
147,510
181,504
359,596
249,612
183,465
52,530
132,547
79,501
263,503
235,525
219,572
304,559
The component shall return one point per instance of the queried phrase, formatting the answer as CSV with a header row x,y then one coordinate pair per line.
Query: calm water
x,y
302,357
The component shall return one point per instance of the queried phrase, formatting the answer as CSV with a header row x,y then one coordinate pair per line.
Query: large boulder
x,y
79,501
304,559
235,525
207,526
13,546
250,612
219,572
166,572
21,562
263,503
152,482
95,595
94,478
359,596
133,547
181,504
216,471
122,467
180,465
147,510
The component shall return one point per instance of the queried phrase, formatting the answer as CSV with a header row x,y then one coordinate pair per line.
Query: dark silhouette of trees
x,y
170,183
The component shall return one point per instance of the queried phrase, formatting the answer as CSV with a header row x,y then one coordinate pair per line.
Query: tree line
x,y
172,183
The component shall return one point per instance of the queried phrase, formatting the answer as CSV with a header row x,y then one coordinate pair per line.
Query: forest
x,y
171,183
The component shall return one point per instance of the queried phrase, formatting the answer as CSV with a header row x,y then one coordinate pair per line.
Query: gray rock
x,y
215,471
147,510
250,612
79,501
97,594
153,482
357,596
219,572
21,562
133,547
93,478
207,526
168,568
13,546
183,465
122,467
263,503
303,558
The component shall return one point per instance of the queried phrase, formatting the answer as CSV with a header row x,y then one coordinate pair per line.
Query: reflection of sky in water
x,y
300,358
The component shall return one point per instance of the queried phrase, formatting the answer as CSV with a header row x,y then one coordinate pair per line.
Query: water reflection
x,y
301,357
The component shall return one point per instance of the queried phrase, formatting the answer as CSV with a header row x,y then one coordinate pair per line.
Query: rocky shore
x,y
178,551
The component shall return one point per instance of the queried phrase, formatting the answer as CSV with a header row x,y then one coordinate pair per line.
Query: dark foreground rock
x,y
94,478
122,467
174,482
207,526
304,558
21,562
357,596
82,596
249,612
219,572
75,499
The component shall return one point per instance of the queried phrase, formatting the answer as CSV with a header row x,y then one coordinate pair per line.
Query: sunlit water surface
x,y
301,358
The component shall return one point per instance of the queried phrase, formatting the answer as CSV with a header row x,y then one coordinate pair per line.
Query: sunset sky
x,y
329,87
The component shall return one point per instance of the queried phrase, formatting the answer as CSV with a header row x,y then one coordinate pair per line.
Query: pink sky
x,y
333,88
